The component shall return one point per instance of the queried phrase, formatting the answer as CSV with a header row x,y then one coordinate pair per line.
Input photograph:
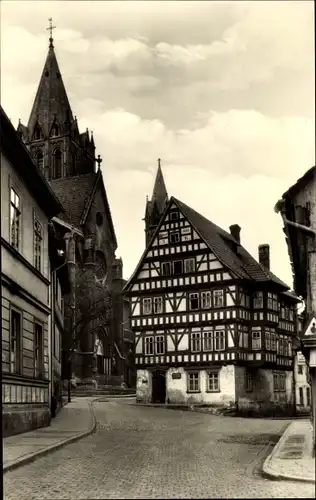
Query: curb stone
x,y
271,474
33,456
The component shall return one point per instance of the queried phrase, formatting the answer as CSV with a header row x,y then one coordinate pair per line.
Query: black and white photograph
x,y
158,249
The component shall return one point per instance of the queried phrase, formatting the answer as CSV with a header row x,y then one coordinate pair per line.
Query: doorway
x,y
158,386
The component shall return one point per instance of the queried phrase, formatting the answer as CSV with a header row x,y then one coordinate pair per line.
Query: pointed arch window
x,y
55,130
37,132
57,163
39,159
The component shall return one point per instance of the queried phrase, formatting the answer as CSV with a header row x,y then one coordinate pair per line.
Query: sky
x,y
222,92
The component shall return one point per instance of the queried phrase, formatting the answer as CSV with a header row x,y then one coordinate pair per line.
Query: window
x,y
166,268
189,266
39,160
57,163
205,300
55,131
196,342
248,381
147,306
157,305
57,343
15,215
15,342
160,344
37,244
208,340
256,339
268,339
174,237
38,350
308,396
213,382
193,301
193,382
273,340
279,382
174,216
301,396
300,369
258,300
218,298
178,267
149,345
219,340
37,132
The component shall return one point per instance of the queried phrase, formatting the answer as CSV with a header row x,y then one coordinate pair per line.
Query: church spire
x,y
51,104
160,195
156,206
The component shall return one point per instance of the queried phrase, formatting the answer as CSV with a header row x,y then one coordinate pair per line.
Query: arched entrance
x,y
159,386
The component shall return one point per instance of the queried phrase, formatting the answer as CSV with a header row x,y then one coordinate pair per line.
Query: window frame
x,y
206,293
37,242
149,340
39,371
218,293
159,340
279,382
15,217
173,233
258,296
155,301
186,271
196,376
169,264
147,300
18,359
213,373
190,303
255,335
173,267
219,342
176,213
209,338
196,341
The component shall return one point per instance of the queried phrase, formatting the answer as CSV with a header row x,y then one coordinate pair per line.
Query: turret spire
x,y
156,206
160,195
50,29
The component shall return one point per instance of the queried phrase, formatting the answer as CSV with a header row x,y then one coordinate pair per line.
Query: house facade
x,y
212,325
27,205
91,346
298,211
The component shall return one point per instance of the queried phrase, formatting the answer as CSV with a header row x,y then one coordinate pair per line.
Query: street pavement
x,y
144,452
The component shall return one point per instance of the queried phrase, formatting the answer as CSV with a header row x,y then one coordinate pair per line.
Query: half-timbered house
x,y
212,325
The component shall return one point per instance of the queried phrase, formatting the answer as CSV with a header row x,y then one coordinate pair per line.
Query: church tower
x,y
156,206
52,135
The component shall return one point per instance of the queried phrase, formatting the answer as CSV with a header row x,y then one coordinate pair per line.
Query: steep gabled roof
x,y
74,193
223,245
99,182
160,195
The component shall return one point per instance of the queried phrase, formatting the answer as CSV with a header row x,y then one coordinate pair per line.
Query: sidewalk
x,y
74,421
292,457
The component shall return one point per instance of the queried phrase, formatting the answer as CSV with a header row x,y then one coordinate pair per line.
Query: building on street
x,y
212,325
92,352
298,210
27,205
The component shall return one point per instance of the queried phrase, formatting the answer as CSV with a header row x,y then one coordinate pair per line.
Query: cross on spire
x,y
159,162
50,29
99,161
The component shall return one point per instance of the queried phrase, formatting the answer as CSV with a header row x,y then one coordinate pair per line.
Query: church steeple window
x,y
37,132
57,164
55,130
39,159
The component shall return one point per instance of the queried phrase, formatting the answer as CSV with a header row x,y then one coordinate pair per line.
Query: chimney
x,y
235,232
264,255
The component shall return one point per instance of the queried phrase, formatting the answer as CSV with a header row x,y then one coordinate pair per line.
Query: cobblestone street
x,y
143,452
